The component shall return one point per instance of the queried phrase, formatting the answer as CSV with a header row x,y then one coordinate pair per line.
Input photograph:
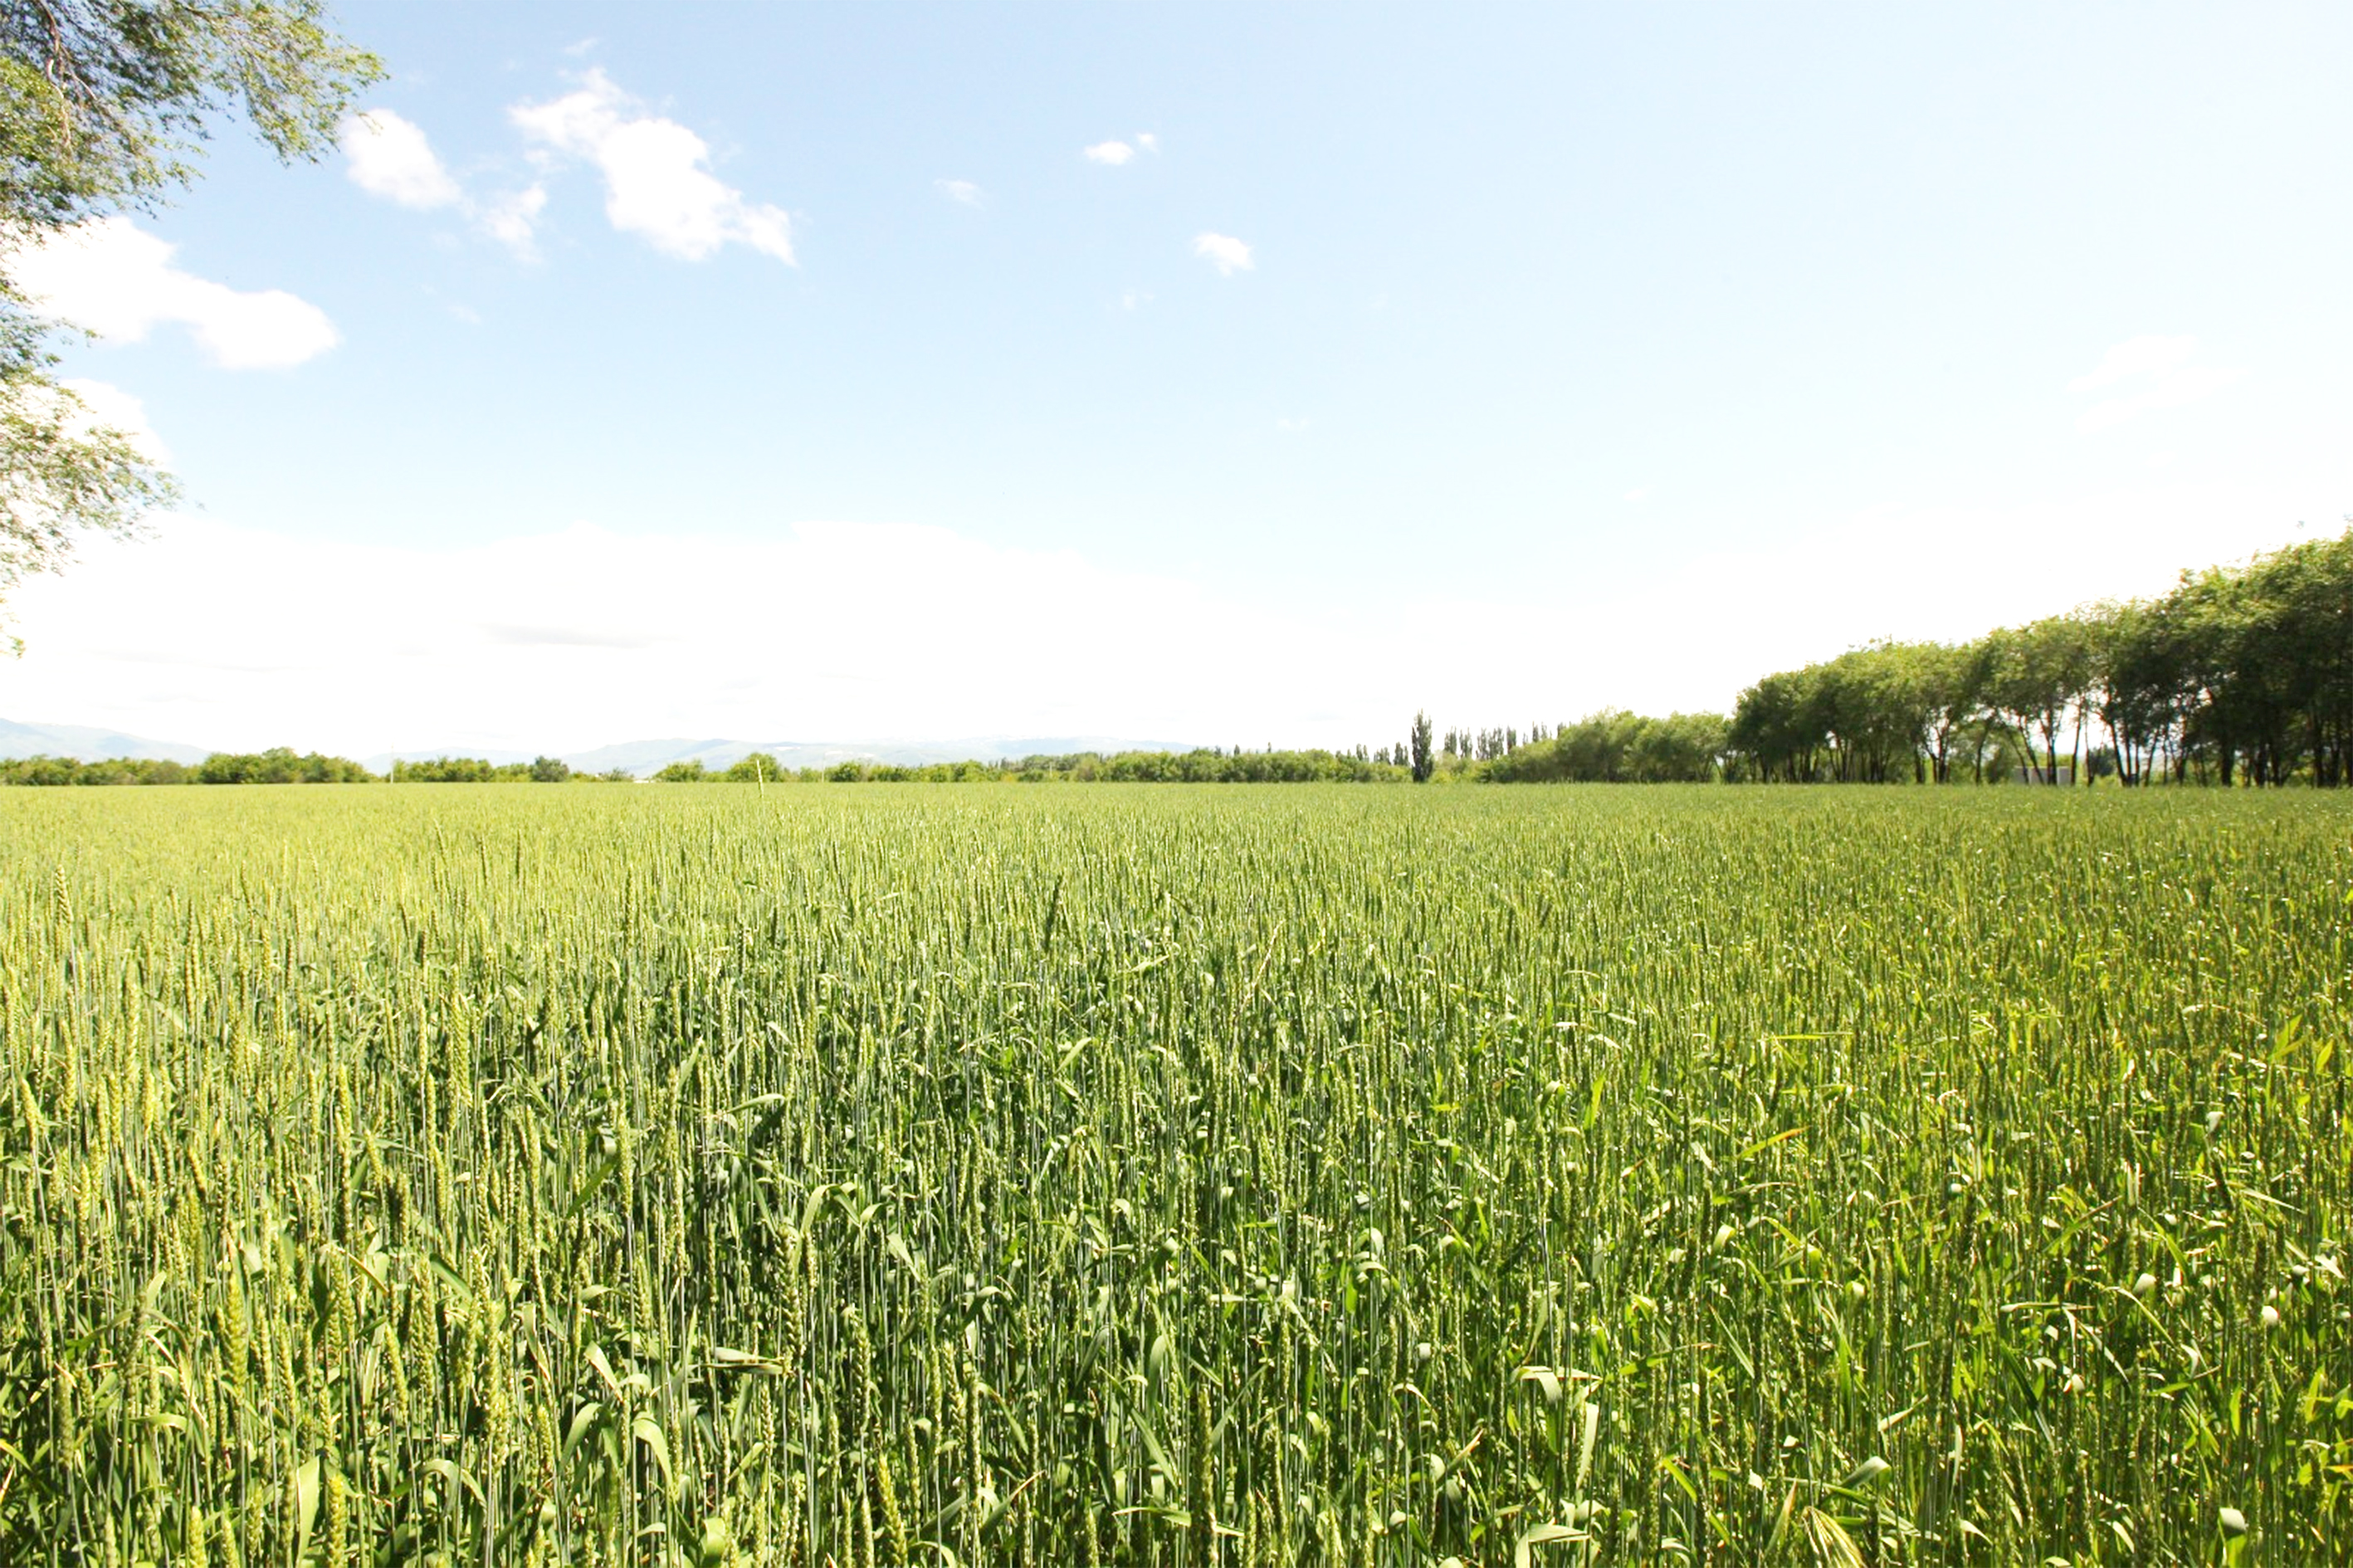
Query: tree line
x,y
2239,674
1204,765
277,766
283,765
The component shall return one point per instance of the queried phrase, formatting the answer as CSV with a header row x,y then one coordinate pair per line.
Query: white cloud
x,y
1134,299
2160,374
1147,141
387,156
963,191
1114,154
656,182
1224,252
1643,493
1292,427
110,277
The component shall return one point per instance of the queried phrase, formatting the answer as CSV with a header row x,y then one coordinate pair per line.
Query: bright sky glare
x,y
1230,373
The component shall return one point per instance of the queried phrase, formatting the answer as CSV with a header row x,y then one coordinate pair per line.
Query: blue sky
x,y
796,370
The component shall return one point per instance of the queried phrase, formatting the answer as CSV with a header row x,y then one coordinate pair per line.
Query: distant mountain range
x,y
89,745
636,756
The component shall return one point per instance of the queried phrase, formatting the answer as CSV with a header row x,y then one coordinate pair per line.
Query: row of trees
x,y
277,766
1487,745
1207,766
113,770
281,764
2239,674
481,770
1620,747
1203,765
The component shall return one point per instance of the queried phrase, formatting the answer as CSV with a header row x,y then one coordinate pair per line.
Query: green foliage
x,y
1132,1175
481,770
1620,747
61,471
853,772
52,771
449,771
758,768
1874,715
104,103
2238,673
280,766
1207,766
1204,766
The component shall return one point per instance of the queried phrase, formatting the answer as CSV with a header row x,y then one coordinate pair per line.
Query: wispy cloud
x,y
2159,375
963,191
1113,154
1638,494
513,219
657,182
1224,252
112,277
388,156
1147,141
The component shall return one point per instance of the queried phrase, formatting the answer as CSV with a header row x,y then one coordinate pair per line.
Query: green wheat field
x,y
959,1175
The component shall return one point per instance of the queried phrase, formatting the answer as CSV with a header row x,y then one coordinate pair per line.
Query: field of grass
x,y
946,1175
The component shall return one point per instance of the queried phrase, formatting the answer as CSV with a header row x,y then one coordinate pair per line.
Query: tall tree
x,y
2042,674
1424,762
105,106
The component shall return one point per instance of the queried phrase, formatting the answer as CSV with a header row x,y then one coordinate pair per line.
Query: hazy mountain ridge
x,y
88,743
